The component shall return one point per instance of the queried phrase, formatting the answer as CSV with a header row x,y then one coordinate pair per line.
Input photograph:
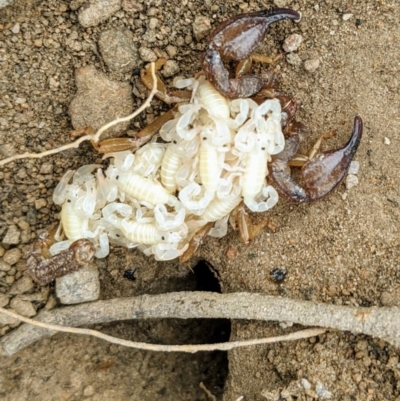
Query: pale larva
x,y
216,104
144,189
219,208
73,224
255,170
210,168
139,233
170,165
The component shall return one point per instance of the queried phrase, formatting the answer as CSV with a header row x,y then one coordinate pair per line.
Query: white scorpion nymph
x,y
214,155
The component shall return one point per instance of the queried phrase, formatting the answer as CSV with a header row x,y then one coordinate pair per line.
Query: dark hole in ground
x,y
180,371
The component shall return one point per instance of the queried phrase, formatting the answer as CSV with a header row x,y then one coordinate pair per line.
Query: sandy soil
x,y
340,250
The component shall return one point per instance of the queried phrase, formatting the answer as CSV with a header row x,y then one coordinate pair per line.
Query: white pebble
x,y
16,28
351,181
386,141
311,65
322,391
292,42
306,384
346,17
354,167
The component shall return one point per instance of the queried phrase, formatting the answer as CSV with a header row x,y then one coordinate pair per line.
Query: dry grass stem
x,y
167,348
380,322
89,137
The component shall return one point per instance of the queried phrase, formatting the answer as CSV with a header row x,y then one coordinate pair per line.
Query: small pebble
x,y
201,27
306,384
96,11
282,3
12,256
24,284
131,6
153,23
311,65
51,302
322,392
346,17
4,267
354,167
12,236
386,141
292,42
80,286
39,203
170,68
24,308
16,28
3,300
293,59
118,49
147,54
171,50
23,225
46,168
351,181
88,391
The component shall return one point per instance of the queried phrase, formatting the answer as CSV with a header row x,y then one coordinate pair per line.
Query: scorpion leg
x,y
237,39
196,241
162,94
111,145
248,230
320,175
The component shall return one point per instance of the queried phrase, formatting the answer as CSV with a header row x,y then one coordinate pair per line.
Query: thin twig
x,y
90,137
168,348
210,395
383,323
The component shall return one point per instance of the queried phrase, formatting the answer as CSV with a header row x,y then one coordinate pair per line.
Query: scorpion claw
x,y
237,39
318,176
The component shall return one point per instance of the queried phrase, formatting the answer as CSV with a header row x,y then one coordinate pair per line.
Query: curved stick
x,y
378,322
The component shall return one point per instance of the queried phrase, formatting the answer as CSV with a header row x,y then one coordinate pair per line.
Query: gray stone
x,y
24,308
95,12
118,50
12,236
80,286
12,256
201,27
24,284
99,101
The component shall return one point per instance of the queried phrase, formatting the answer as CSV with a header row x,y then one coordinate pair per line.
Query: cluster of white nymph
x,y
214,155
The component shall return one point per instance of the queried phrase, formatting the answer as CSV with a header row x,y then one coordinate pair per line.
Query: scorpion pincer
x,y
237,39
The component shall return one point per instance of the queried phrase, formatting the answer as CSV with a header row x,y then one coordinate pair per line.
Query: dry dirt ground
x,y
340,250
